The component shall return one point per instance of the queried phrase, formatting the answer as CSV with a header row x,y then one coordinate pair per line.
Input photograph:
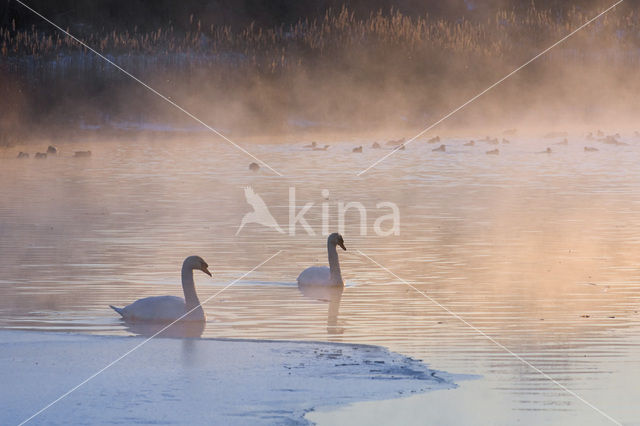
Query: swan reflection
x,y
331,294
180,329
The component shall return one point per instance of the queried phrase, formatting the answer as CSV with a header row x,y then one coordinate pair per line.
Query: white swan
x,y
170,308
321,275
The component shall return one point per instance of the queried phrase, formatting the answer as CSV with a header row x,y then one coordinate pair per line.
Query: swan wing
x,y
158,308
315,275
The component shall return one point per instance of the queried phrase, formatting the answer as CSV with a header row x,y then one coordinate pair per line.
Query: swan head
x,y
336,240
196,262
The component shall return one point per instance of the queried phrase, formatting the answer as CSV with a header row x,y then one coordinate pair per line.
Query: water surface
x,y
538,251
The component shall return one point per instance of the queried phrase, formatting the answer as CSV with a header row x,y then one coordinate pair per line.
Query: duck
x,y
318,148
470,143
311,145
375,145
82,154
357,149
170,308
23,155
612,140
489,140
41,155
546,151
434,139
254,167
322,275
493,152
441,148
564,141
52,150
396,142
505,141
590,149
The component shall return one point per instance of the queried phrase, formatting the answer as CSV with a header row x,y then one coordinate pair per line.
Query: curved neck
x,y
334,264
189,288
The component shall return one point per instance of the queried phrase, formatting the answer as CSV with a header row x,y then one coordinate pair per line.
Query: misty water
x,y
538,251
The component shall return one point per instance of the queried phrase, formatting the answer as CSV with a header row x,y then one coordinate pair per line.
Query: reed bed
x,y
339,33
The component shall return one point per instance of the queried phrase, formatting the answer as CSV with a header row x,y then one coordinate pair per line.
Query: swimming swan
x,y
321,275
170,308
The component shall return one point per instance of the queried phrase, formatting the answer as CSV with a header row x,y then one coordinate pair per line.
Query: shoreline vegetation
x,y
346,72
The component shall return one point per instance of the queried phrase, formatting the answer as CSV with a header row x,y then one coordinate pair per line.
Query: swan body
x,y
322,275
315,275
158,308
170,308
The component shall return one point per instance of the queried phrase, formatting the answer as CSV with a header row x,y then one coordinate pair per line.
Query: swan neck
x,y
189,288
334,265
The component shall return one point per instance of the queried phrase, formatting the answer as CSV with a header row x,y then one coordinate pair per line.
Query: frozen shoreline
x,y
213,381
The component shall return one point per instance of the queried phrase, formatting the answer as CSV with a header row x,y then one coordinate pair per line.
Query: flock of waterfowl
x,y
52,151
400,144
167,309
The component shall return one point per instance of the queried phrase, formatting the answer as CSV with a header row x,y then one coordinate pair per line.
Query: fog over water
x,y
342,73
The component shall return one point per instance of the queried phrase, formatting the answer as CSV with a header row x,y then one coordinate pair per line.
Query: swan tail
x,y
118,310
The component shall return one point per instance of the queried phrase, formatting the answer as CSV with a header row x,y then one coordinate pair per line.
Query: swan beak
x,y
343,247
206,271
